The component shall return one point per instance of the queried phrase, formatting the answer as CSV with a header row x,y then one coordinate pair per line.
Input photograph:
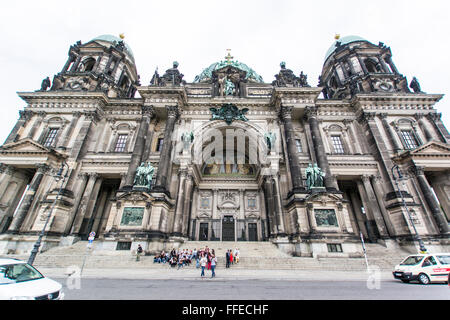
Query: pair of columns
x,y
27,200
318,146
183,203
142,145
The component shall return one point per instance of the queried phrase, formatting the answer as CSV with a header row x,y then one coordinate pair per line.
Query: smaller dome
x,y
113,39
343,41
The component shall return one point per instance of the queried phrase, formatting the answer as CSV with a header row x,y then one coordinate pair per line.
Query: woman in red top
x,y
231,257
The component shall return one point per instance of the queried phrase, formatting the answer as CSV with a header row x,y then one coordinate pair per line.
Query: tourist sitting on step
x,y
173,261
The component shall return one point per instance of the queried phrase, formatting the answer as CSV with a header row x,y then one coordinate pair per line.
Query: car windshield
x,y
12,273
444,259
412,260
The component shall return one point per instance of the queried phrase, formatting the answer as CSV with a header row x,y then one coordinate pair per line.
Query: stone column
x,y
187,204
147,113
294,166
83,136
22,212
279,207
378,188
360,218
40,117
66,138
390,133
353,138
163,168
179,207
368,222
269,204
423,126
431,201
24,116
319,149
374,208
84,203
148,140
68,62
378,148
82,179
435,119
75,64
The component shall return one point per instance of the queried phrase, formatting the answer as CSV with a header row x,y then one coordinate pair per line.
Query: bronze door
x,y
228,228
252,232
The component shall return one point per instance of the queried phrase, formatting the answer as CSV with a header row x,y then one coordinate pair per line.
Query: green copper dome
x,y
343,41
207,73
113,39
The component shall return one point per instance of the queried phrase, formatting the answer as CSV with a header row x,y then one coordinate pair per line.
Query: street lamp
x,y
400,176
57,177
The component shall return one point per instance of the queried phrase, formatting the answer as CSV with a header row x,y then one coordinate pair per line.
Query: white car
x,y
21,281
425,268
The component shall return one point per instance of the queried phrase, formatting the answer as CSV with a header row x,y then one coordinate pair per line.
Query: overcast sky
x,y
36,36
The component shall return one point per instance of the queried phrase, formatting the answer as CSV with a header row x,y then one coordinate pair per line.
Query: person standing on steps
x,y
227,259
139,252
213,266
203,262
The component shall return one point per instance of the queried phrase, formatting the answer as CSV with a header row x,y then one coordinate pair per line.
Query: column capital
x,y
417,170
311,112
365,117
42,168
366,177
25,114
285,112
91,115
93,175
172,111
148,110
382,115
419,115
434,116
7,169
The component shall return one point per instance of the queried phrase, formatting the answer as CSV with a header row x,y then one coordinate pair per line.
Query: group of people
x,y
204,258
231,257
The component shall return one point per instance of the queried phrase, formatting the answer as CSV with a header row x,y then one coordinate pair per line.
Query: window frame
x,y
119,141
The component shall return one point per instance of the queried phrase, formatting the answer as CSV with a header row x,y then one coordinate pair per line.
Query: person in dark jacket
x,y
227,259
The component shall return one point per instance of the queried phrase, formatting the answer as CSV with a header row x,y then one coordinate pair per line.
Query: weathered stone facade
x,y
251,184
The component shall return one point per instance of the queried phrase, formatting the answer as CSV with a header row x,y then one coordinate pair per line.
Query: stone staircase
x,y
253,255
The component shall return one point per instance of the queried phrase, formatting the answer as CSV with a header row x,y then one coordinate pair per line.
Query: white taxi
x,y
21,281
425,268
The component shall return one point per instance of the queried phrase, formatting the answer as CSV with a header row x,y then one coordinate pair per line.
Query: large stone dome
x,y
114,40
206,74
344,40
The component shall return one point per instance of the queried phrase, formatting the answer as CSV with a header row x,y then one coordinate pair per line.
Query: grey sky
x,y
36,36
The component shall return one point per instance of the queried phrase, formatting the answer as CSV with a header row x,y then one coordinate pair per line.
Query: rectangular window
x,y
409,139
298,143
50,138
251,203
123,245
337,144
121,142
334,247
159,145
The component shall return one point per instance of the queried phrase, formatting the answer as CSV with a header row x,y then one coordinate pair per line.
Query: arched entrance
x,y
228,204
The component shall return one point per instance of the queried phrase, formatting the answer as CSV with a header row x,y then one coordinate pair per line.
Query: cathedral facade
x,y
227,157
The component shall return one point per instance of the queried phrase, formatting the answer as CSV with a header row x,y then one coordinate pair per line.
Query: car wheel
x,y
405,281
423,278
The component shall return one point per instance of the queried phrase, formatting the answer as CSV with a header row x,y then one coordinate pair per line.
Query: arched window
x,y
87,65
372,66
